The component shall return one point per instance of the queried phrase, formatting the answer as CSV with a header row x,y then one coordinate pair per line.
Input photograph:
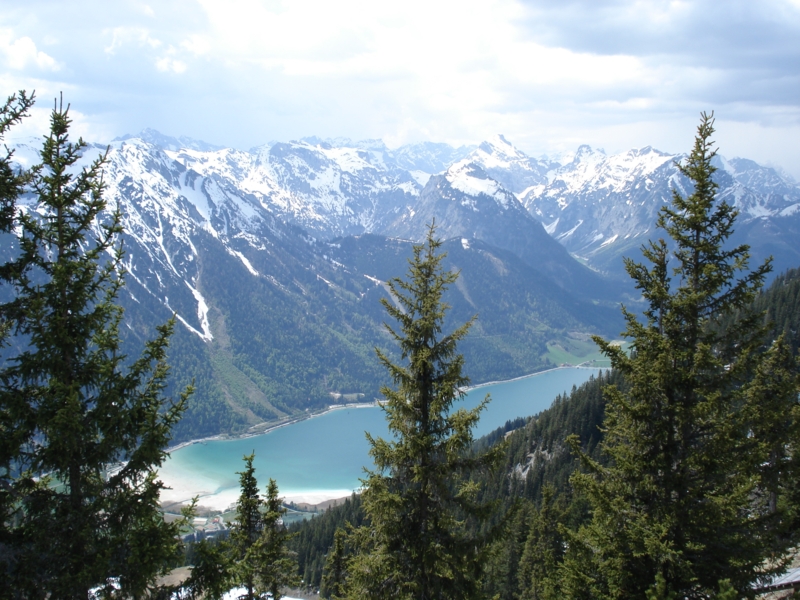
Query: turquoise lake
x,y
324,456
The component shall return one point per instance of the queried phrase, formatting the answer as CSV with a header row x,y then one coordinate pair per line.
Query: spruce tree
x,y
276,567
12,179
210,578
701,489
246,529
258,558
419,496
12,435
543,552
335,573
89,427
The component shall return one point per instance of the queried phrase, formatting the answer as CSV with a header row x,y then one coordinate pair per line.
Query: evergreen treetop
x,y
684,502
419,495
11,436
90,428
257,555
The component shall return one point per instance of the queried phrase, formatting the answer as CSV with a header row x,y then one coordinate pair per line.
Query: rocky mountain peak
x,y
472,181
586,154
499,146
166,142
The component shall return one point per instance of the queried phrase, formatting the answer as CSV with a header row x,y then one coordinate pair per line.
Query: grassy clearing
x,y
583,352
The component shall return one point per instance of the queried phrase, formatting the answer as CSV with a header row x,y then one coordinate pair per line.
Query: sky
x,y
549,75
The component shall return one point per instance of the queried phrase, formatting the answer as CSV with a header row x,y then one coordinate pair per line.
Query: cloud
x,y
21,53
167,64
123,36
196,44
240,72
749,46
697,30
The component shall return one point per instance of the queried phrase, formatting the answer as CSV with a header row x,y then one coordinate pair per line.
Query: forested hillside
x,y
535,456
273,259
781,305
533,487
276,352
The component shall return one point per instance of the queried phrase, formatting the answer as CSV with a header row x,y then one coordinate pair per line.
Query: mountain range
x,y
273,259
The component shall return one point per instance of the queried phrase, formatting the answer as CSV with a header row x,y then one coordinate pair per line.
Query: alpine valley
x,y
273,260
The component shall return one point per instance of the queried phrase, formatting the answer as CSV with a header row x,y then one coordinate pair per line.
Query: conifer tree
x,y
247,529
210,578
700,494
11,434
419,495
12,180
89,427
544,550
335,573
276,566
258,557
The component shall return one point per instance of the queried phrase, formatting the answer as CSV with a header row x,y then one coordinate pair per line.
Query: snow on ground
x,y
193,192
610,240
248,265
236,592
421,177
461,178
551,228
202,315
183,489
571,231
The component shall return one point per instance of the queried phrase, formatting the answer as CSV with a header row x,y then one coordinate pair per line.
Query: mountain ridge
x,y
273,260
600,207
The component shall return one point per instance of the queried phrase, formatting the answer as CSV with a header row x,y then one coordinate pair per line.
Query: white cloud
x,y
614,73
167,64
122,36
21,53
197,45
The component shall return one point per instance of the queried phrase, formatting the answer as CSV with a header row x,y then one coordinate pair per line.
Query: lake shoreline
x,y
221,437
332,407
317,461
488,383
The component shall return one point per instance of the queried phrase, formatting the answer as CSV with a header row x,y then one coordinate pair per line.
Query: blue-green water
x,y
325,455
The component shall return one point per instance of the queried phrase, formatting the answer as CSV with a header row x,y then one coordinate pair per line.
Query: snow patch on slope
x,y
610,240
202,315
472,181
248,265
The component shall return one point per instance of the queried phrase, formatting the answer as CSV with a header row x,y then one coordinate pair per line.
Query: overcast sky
x,y
549,74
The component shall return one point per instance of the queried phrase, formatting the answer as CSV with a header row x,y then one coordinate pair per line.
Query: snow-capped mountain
x,y
428,157
335,190
514,169
602,207
274,315
466,202
166,142
596,201
272,259
597,207
327,190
